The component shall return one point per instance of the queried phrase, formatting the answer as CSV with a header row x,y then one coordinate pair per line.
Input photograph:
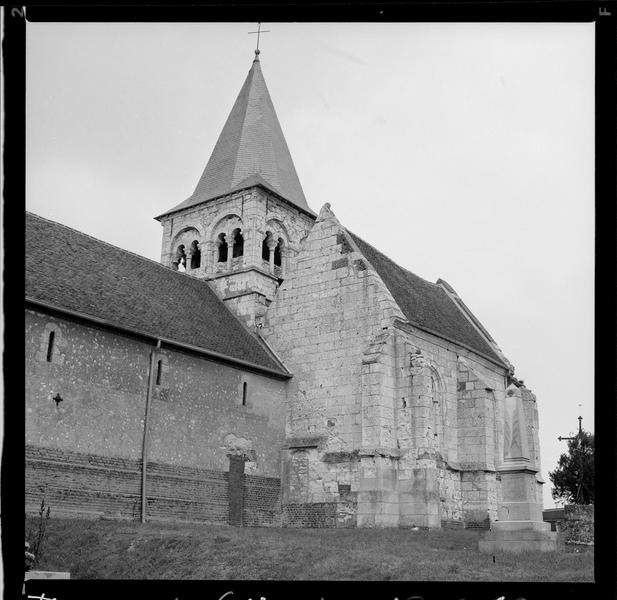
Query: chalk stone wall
x,y
323,317
414,444
92,440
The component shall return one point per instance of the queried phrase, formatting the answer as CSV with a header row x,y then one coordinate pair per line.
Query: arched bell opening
x,y
238,238
179,261
195,255
222,248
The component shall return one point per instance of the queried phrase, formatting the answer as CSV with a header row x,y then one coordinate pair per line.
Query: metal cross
x,y
258,32
580,431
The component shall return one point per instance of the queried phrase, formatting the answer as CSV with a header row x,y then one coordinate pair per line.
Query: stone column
x,y
188,257
215,256
284,260
272,243
230,250
209,255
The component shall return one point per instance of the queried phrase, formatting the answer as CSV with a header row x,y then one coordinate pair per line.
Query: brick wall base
x,y
452,524
484,524
311,515
320,514
77,484
262,503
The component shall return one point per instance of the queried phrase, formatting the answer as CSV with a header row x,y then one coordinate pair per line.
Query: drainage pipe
x,y
144,450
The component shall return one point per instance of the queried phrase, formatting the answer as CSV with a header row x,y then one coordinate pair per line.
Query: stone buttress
x,y
372,428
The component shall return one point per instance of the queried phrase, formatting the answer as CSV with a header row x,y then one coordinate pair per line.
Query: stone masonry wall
x,y
197,417
197,420
321,322
406,444
468,443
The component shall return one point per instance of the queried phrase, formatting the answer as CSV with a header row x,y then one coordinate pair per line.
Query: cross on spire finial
x,y
258,32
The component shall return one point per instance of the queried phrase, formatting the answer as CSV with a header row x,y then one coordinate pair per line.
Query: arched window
x,y
238,243
195,255
439,412
436,408
222,244
265,250
277,253
50,345
180,260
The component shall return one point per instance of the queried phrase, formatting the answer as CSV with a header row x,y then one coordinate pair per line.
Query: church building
x,y
274,369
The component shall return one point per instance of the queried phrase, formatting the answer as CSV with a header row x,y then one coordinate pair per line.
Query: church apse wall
x,y
84,452
387,424
460,434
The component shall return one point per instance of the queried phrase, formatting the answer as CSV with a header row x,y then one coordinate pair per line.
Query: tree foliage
x,y
573,479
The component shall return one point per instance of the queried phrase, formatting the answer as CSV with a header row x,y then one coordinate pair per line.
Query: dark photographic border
x,y
604,14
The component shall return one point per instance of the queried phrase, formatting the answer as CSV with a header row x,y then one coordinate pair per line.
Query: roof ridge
x,y
198,284
429,304
392,261
249,88
145,258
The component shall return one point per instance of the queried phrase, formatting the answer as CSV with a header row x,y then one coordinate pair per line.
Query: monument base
x,y
518,536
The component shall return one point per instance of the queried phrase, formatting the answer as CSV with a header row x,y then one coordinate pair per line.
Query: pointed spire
x,y
251,150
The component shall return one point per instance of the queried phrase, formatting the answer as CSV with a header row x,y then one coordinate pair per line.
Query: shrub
x,y
36,536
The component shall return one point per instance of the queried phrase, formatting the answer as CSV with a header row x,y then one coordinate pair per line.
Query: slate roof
x,y
426,304
251,144
71,270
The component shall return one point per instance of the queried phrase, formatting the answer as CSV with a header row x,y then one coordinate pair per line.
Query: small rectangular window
x,y
50,345
244,389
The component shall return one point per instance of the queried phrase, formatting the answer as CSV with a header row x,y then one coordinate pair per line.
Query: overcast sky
x,y
462,151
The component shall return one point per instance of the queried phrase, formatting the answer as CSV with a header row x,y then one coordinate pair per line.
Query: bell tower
x,y
242,227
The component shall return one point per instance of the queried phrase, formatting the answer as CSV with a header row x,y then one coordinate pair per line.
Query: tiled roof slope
x,y
71,270
424,303
251,143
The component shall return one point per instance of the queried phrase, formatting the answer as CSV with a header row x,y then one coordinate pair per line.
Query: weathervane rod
x,y
258,32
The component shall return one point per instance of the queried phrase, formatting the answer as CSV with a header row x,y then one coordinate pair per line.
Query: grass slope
x,y
128,550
